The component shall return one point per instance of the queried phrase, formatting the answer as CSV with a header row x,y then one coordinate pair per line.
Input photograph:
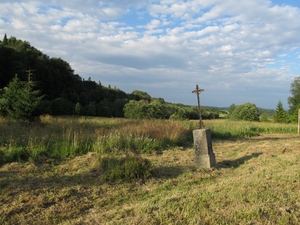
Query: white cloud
x,y
227,47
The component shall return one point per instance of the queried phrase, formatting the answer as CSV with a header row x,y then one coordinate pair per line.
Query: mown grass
x,y
118,171
256,181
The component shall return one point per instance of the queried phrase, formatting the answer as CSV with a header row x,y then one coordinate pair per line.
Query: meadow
x,y
120,171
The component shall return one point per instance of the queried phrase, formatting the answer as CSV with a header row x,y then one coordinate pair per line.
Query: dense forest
x,y
66,93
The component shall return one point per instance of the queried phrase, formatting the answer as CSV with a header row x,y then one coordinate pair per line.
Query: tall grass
x,y
61,138
64,137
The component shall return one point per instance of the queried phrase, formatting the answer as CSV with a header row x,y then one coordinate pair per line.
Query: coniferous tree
x,y
5,40
280,116
20,101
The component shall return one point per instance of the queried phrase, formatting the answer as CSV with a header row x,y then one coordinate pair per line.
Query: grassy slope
x,y
255,181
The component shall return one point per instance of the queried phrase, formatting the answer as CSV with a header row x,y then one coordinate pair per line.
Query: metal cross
x,y
198,91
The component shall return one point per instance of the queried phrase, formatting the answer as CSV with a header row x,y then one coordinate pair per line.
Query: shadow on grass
x,y
273,138
230,135
237,162
171,171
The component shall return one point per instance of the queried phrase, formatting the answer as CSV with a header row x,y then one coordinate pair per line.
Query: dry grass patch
x,y
256,181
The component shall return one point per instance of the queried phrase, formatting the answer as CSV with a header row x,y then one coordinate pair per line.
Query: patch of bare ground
x,y
256,181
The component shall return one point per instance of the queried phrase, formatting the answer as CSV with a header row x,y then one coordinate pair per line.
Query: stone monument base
x,y
204,156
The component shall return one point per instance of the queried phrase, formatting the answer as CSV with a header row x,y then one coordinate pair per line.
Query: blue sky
x,y
237,51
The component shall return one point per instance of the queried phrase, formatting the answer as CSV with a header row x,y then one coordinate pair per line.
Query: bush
x,y
247,111
264,118
181,114
125,168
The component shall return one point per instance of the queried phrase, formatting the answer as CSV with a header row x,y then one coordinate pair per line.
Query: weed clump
x,y
127,168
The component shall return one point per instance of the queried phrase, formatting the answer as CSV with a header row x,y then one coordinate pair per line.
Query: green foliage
x,y
61,106
56,80
3,106
247,111
15,155
20,101
264,117
139,95
117,143
127,168
104,108
281,116
117,107
4,40
181,114
208,114
231,109
89,110
294,116
157,110
268,112
294,100
231,129
63,89
144,110
78,108
135,109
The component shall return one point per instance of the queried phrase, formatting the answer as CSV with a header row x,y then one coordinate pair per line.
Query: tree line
x,y
32,83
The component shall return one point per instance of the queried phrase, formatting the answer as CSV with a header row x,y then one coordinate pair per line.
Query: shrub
x,y
264,118
247,111
181,114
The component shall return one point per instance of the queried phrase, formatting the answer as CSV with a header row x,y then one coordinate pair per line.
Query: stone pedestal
x,y
204,156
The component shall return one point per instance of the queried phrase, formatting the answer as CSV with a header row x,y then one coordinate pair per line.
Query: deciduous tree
x,y
294,100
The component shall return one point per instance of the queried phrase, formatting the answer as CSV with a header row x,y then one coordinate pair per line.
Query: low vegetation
x,y
62,172
59,138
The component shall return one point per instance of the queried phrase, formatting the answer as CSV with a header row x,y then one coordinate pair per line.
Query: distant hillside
x,y
66,93
63,90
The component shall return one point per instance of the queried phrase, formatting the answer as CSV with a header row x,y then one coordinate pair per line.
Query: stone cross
x,y
198,91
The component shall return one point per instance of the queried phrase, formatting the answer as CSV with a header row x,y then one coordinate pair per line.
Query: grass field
x,y
256,179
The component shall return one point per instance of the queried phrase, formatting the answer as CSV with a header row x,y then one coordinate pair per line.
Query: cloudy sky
x,y
238,51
